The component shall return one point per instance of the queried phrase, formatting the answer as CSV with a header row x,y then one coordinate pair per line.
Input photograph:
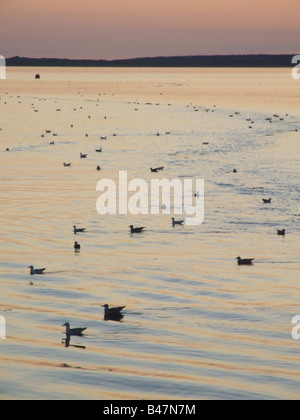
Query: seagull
x,y
267,200
112,312
176,222
136,230
67,164
36,270
160,168
82,156
281,232
244,261
76,246
73,331
78,230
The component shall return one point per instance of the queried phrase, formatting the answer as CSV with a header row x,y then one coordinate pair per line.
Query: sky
x,y
117,29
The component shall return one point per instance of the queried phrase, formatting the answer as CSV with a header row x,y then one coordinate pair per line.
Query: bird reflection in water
x,y
115,317
67,342
71,332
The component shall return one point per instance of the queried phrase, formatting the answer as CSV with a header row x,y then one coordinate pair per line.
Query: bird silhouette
x,y
76,246
73,331
36,270
245,261
113,314
136,229
78,230
176,222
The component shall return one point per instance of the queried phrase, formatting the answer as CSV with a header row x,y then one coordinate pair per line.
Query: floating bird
x,y
51,142
73,331
98,168
160,168
99,150
76,246
36,270
281,232
176,222
267,200
136,229
7,149
82,156
112,312
234,171
245,261
67,164
78,230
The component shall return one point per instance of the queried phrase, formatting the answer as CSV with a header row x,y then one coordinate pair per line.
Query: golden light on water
x,y
196,325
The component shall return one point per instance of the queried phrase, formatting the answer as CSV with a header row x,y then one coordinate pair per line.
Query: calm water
x,y
196,325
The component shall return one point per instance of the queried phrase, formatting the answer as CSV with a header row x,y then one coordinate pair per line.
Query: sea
x,y
196,325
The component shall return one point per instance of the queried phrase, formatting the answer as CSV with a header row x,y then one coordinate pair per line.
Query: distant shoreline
x,y
254,60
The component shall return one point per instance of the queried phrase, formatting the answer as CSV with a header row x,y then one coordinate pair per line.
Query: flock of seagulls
x,y
115,313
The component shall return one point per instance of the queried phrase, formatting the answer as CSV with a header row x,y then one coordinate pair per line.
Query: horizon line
x,y
153,57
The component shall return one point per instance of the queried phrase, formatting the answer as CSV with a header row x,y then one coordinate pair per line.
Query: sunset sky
x,y
111,29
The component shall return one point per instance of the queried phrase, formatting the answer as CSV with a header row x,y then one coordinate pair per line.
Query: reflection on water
x,y
67,341
197,324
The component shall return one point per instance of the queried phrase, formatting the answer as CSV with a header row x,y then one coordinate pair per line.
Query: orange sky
x,y
136,28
